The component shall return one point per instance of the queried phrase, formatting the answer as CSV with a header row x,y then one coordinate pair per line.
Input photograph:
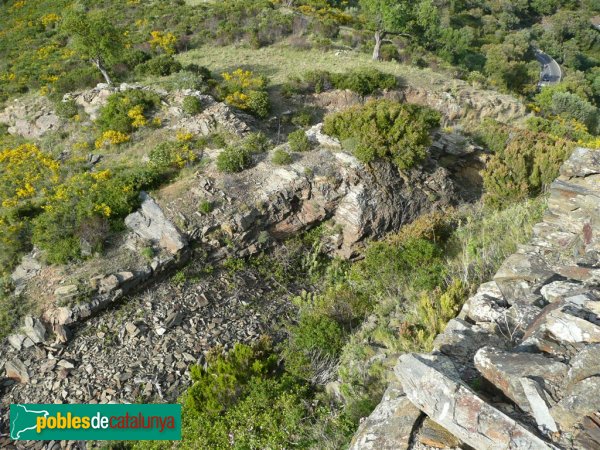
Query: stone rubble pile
x,y
519,368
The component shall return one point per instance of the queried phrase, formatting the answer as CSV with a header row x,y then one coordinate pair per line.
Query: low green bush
x,y
298,141
258,103
191,105
172,155
529,162
159,66
314,338
85,208
245,90
364,81
233,159
202,71
385,129
317,81
244,386
281,157
12,308
206,207
125,111
66,109
414,262
303,118
256,142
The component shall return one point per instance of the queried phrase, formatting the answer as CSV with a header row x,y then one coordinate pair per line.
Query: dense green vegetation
x,y
385,129
408,285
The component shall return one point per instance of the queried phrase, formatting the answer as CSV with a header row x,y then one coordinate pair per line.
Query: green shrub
x,y
385,129
66,109
191,105
245,90
281,157
218,140
85,208
303,118
256,142
172,155
416,263
434,310
314,337
202,71
571,106
364,81
12,310
242,387
148,253
298,141
205,207
233,159
117,115
159,66
258,103
318,81
528,163
492,135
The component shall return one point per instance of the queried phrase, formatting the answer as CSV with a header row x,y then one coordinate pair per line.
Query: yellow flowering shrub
x,y
164,41
184,136
112,137
25,174
238,99
49,19
173,155
242,80
245,90
136,114
82,208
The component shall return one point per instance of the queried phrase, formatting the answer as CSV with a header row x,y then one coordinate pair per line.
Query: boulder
x,y
585,364
566,327
520,274
16,370
30,118
582,163
580,400
538,405
461,340
390,425
558,290
151,223
505,370
438,392
34,330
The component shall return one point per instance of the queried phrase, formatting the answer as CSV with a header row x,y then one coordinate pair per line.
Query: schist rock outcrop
x,y
519,368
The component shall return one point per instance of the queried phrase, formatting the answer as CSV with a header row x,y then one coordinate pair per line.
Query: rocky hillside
x,y
78,350
519,367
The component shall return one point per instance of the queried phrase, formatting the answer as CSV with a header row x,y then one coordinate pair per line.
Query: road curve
x,y
551,72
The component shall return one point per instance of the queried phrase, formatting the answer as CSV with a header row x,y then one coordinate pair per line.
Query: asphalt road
x,y
551,72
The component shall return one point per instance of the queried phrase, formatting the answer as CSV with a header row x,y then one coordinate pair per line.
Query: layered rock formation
x,y
519,368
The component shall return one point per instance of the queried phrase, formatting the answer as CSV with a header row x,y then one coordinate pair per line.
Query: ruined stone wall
x,y
519,368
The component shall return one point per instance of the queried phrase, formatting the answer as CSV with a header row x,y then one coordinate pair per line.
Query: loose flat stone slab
x,y
452,404
506,369
390,425
538,405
